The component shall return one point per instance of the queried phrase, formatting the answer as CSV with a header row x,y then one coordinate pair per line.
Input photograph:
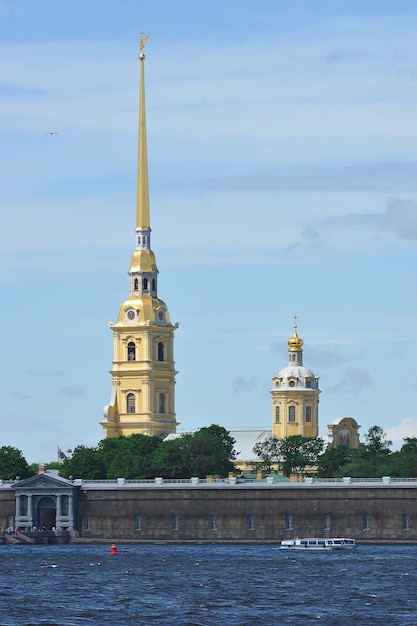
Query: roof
x,y
245,442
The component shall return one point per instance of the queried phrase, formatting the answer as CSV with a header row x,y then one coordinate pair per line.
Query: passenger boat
x,y
337,543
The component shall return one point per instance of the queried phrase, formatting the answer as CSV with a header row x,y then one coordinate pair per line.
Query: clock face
x,y
130,315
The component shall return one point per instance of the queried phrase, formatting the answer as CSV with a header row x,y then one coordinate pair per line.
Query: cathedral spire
x,y
142,212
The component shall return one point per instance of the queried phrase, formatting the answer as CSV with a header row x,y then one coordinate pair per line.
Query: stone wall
x,y
248,512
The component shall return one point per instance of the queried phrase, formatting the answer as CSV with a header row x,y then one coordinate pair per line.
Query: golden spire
x,y
142,212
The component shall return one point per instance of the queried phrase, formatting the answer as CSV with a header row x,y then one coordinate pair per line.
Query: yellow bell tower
x,y
143,373
295,395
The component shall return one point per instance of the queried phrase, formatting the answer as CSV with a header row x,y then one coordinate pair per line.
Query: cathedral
x,y
143,372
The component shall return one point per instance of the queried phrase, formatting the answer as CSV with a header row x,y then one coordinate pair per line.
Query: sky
x,y
282,152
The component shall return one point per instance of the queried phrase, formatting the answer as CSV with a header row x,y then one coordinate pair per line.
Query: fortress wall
x,y
113,513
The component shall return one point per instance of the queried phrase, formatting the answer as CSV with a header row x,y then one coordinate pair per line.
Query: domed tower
x,y
295,395
143,373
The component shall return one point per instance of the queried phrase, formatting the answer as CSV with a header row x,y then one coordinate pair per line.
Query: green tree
x,y
211,450
13,464
333,460
404,462
376,442
85,463
299,452
269,451
129,457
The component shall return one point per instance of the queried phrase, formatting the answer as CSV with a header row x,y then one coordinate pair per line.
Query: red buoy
x,y
113,549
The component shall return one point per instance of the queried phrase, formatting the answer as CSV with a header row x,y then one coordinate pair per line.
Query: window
x,y
326,522
130,402
153,284
138,522
308,413
250,522
131,351
136,284
289,521
406,522
366,523
145,283
64,505
212,522
161,403
23,507
308,382
175,522
87,522
277,414
292,383
291,414
160,351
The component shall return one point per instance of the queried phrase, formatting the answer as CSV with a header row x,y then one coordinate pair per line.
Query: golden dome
x,y
295,342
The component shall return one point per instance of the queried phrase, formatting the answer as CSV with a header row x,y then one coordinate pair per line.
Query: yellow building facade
x,y
295,396
143,372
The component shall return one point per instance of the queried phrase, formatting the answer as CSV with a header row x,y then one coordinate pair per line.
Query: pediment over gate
x,y
43,482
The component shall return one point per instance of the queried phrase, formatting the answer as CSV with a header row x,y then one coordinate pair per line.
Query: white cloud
x,y
407,427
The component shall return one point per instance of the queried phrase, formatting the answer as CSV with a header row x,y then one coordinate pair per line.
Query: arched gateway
x,y
45,501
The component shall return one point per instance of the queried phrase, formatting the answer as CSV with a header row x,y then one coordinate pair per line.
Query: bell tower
x,y
295,395
143,373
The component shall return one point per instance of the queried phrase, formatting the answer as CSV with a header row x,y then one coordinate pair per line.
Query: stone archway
x,y
46,512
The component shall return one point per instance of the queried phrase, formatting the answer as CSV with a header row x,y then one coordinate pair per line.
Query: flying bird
x,y
51,133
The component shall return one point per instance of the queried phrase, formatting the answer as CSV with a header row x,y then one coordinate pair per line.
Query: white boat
x,y
337,543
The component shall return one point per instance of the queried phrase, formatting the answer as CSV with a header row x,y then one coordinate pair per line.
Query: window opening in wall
x,y
326,522
175,521
145,283
406,522
136,284
23,507
131,351
250,522
212,522
289,521
130,401
138,522
161,403
308,382
291,413
308,413
160,351
87,522
277,414
65,505
366,522
153,284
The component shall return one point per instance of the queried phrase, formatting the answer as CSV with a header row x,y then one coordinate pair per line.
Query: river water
x,y
210,585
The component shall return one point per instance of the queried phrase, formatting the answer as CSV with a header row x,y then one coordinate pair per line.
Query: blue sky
x,y
282,141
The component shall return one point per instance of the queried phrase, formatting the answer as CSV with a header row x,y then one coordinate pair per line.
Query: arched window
x,y
153,284
136,284
212,522
366,522
138,522
160,351
162,403
291,413
277,414
175,521
130,403
289,520
250,522
145,283
326,522
406,522
87,522
131,351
